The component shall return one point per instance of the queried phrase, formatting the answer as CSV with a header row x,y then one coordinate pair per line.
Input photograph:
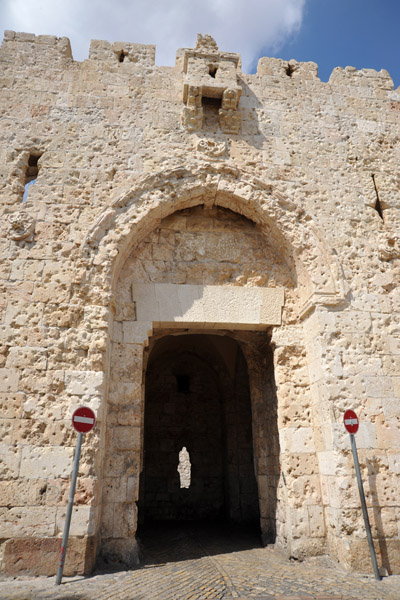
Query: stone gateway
x,y
210,260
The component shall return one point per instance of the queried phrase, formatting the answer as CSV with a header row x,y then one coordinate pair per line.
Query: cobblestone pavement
x,y
200,562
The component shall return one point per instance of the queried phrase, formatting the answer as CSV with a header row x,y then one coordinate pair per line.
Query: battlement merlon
x,y
29,46
362,77
282,69
141,54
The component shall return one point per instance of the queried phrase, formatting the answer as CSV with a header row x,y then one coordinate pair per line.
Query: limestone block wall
x,y
313,165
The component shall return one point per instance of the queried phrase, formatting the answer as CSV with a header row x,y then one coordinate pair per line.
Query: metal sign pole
x,y
69,510
364,507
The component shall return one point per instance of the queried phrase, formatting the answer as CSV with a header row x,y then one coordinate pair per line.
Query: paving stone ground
x,y
196,562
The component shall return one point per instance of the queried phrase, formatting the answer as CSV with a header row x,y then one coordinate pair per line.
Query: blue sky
x,y
360,33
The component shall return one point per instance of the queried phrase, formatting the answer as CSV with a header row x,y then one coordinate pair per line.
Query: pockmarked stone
x,y
209,261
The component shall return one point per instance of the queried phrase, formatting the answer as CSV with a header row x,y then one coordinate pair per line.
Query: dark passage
x,y
176,541
198,420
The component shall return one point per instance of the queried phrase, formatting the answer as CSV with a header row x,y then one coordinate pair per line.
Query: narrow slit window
x,y
184,468
378,206
31,174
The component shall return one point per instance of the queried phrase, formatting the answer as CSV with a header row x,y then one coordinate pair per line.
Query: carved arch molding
x,y
135,212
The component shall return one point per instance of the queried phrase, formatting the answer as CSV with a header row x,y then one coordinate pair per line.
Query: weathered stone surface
x,y
28,521
45,462
40,556
205,212
228,307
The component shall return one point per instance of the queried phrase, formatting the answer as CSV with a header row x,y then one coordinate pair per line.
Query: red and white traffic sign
x,y
350,420
83,419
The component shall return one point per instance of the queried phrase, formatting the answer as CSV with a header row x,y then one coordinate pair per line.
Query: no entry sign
x,y
350,420
83,419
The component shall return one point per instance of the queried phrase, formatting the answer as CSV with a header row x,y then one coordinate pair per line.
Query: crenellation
x,y
362,77
278,70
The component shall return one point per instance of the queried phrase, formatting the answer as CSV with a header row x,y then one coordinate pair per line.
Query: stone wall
x,y
159,174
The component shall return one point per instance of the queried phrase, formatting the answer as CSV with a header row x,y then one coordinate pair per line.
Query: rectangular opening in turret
x,y
211,107
212,103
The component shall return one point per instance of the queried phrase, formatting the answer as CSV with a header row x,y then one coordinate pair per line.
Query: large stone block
x,y
126,438
9,380
297,441
230,306
46,462
10,461
123,551
87,383
31,521
304,490
355,555
82,520
39,556
11,405
114,489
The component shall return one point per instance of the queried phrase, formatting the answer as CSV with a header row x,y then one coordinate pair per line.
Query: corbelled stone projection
x,y
210,260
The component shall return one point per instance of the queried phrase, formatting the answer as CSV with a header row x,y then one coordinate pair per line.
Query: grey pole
x,y
69,510
364,507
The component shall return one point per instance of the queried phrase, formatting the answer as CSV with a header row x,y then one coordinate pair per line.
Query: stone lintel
x,y
212,306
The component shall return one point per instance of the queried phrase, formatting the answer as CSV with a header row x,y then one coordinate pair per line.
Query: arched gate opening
x,y
203,273
194,242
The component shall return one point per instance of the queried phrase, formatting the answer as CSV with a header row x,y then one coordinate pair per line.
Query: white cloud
x,y
244,26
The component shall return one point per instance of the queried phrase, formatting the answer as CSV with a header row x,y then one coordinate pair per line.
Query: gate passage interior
x,y
198,438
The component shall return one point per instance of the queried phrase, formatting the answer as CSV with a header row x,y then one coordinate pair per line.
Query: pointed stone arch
x,y
135,212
